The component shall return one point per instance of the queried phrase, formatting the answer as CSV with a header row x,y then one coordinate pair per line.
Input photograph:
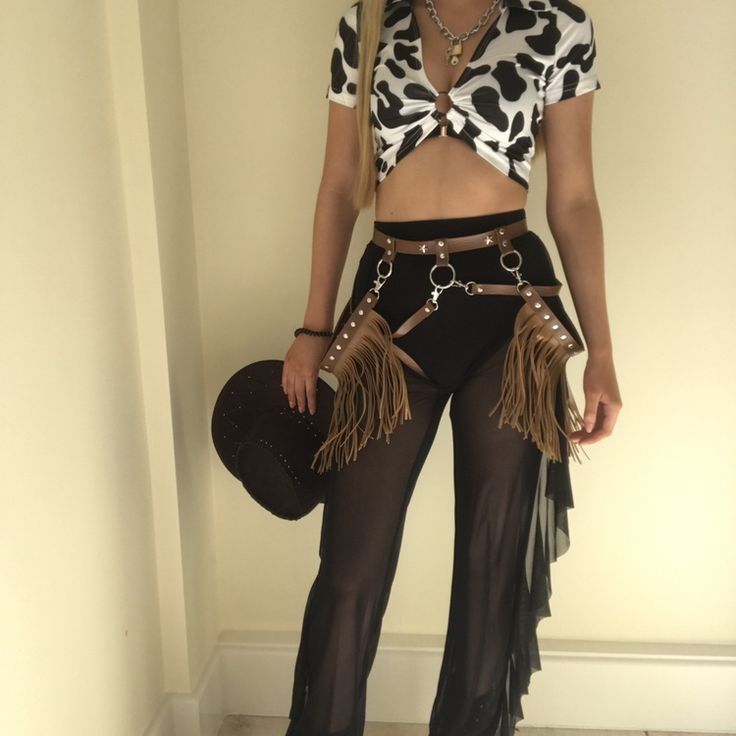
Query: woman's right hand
x,y
301,368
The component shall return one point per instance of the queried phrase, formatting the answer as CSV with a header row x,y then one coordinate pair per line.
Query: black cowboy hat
x,y
267,445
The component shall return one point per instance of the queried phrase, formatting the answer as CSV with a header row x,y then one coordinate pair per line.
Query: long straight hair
x,y
370,23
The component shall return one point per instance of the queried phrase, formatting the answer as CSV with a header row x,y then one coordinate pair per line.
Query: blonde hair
x,y
370,23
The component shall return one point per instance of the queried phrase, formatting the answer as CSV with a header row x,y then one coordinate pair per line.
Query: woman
x,y
441,128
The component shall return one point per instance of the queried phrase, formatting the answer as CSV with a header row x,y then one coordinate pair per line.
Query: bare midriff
x,y
444,177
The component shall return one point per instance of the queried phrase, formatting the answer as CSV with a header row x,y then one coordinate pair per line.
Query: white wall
x,y
106,525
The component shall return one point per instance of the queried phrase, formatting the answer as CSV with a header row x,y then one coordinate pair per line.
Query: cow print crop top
x,y
532,54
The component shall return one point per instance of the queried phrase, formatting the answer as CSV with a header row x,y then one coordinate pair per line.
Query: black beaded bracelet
x,y
316,333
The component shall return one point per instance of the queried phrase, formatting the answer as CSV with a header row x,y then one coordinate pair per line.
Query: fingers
x,y
286,382
301,389
590,437
591,411
610,414
312,394
306,392
603,420
290,388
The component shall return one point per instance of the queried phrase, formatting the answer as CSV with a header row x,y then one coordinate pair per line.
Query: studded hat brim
x,y
267,445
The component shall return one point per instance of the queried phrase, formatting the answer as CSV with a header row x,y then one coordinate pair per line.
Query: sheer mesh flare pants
x,y
506,529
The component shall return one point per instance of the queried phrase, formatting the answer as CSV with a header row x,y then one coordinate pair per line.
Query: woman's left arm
x,y
575,223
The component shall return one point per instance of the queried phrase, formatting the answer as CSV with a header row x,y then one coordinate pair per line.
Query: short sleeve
x,y
343,86
574,70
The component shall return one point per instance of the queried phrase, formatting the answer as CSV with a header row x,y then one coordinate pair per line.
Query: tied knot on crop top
x,y
534,53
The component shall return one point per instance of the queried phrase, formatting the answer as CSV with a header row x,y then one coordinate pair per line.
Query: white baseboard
x,y
197,714
590,685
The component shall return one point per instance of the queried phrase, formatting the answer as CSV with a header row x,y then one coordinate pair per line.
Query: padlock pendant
x,y
453,53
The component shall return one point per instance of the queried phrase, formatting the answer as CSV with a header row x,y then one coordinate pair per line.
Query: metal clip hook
x,y
513,269
381,278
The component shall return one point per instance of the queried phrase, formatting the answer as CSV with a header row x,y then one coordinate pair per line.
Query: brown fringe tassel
x,y
533,372
371,390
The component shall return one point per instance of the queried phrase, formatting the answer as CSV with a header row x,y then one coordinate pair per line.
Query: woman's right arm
x,y
334,219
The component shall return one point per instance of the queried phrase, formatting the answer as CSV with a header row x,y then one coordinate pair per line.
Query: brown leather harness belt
x,y
501,237
373,396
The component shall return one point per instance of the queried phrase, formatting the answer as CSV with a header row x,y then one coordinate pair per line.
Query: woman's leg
x,y
496,472
362,526
511,505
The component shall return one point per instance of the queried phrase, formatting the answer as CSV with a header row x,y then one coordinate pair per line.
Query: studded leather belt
x,y
442,246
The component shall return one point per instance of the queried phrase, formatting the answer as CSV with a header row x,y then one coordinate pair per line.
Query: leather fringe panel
x,y
371,394
533,372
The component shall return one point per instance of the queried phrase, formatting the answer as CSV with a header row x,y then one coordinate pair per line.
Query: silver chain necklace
x,y
455,49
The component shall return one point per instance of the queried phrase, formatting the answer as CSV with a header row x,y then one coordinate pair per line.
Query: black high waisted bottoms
x,y
465,328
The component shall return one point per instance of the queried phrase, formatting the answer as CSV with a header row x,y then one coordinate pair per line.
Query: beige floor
x,y
272,726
